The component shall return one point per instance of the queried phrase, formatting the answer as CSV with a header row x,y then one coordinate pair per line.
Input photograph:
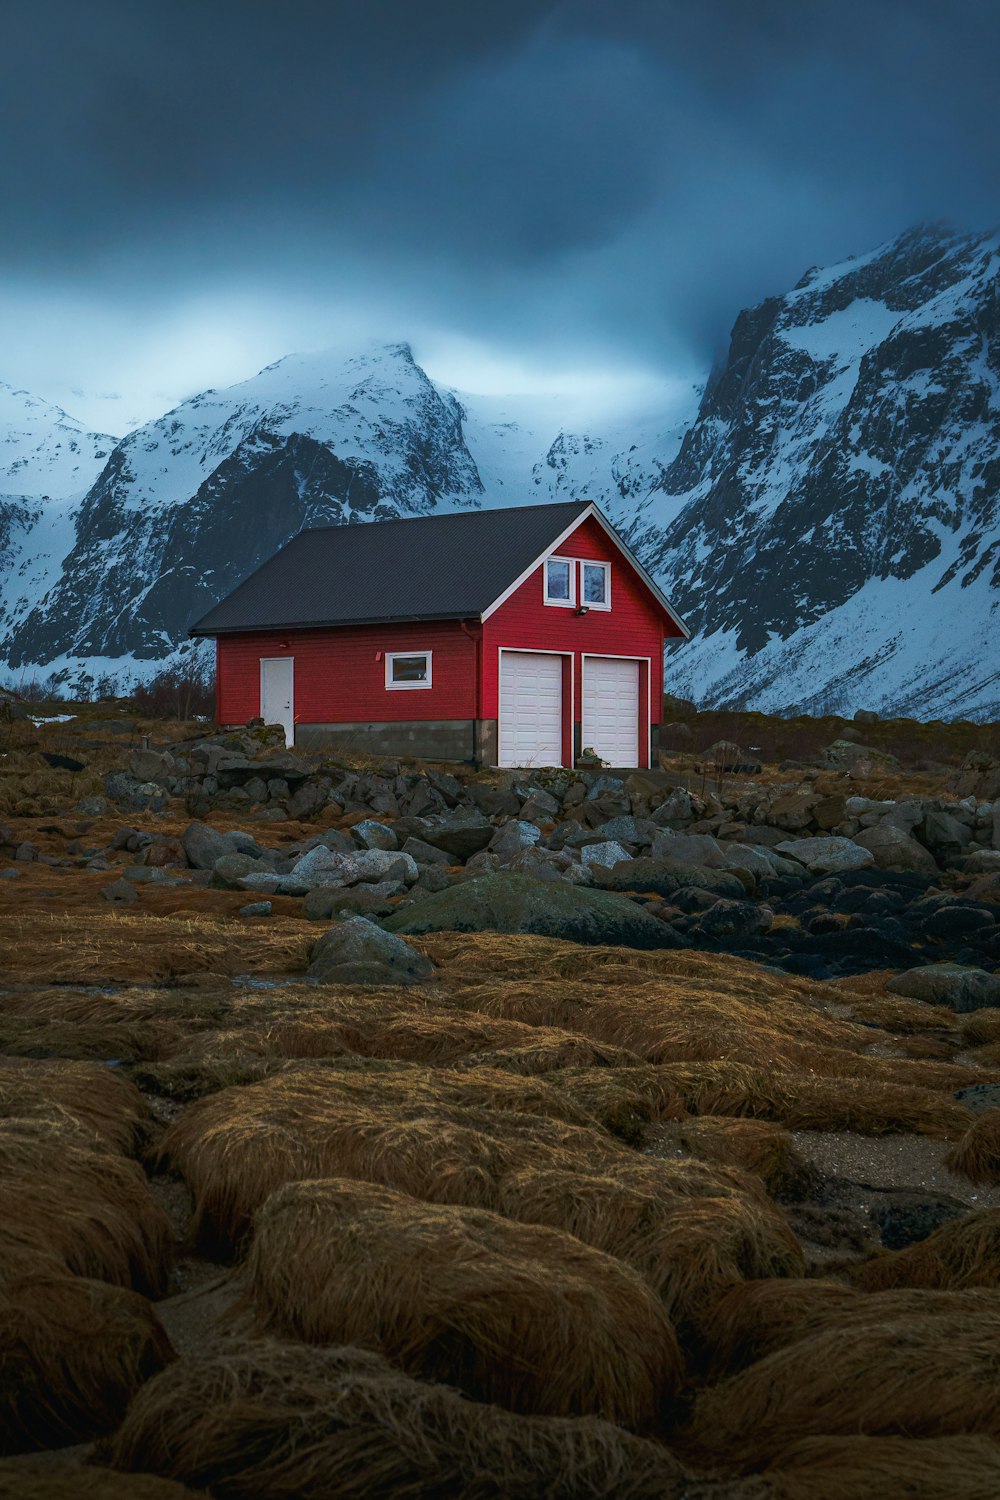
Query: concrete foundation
x,y
473,741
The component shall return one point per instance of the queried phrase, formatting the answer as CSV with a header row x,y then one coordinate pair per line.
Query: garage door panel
x,y
611,709
531,709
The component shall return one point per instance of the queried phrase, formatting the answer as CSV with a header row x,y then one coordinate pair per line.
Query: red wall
x,y
338,679
634,625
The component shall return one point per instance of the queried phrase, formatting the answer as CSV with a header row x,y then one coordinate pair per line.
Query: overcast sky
x,y
533,193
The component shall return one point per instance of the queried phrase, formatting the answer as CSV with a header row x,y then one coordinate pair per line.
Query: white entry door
x,y
277,693
611,709
531,709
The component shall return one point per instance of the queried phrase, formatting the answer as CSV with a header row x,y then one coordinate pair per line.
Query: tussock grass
x,y
881,1468
270,1419
73,1353
94,947
977,1154
981,1027
755,1318
801,1101
690,1230
236,1147
962,1253
64,1194
912,1376
97,1097
516,1314
756,1146
24,1479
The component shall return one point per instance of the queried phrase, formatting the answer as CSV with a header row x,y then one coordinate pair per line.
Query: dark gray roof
x,y
448,567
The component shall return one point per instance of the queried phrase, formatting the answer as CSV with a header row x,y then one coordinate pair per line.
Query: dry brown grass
x,y
64,1194
97,1097
977,1155
915,1376
516,1314
882,1468
61,1479
268,1420
756,1146
236,1147
981,1027
98,947
690,1230
801,1101
962,1253
73,1353
754,1319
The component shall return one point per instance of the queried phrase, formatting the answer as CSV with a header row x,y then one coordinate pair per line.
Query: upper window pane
x,y
558,579
595,583
409,669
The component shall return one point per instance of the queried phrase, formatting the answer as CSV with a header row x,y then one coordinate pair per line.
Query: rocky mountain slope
x,y
831,524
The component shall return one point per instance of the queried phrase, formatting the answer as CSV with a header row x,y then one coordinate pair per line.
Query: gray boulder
x,y
371,834
120,893
507,902
322,902
461,839
688,848
677,810
228,871
845,754
540,807
944,835
628,830
892,848
151,765
736,919
356,951
385,864
955,985
426,854
663,877
204,846
827,856
512,837
609,853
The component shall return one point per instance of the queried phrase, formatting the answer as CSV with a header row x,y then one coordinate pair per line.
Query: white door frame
x,y
265,661
619,656
531,651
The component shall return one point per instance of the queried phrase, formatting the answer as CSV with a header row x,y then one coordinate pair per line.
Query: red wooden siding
x,y
339,680
634,626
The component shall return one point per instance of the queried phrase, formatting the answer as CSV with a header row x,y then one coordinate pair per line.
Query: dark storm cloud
x,y
609,175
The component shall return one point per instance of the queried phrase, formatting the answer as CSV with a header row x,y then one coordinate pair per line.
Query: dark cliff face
x,y
852,437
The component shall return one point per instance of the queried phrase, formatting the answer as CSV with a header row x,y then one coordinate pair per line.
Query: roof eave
x,y
269,628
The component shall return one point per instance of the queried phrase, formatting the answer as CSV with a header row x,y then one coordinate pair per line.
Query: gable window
x,y
559,581
596,585
408,669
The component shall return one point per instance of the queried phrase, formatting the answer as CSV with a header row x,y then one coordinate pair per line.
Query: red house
x,y
509,637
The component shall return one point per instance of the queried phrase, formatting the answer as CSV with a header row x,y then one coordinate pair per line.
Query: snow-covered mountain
x,y
828,518
48,461
831,524
187,505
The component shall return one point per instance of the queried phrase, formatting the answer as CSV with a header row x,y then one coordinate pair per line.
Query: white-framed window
x,y
407,669
595,585
560,581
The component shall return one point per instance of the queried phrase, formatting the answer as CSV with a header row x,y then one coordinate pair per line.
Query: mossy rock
x,y
510,902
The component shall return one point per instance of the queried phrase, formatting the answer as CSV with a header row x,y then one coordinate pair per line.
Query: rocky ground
x,y
733,1024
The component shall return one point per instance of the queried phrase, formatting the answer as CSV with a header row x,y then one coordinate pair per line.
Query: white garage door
x,y
611,709
531,711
